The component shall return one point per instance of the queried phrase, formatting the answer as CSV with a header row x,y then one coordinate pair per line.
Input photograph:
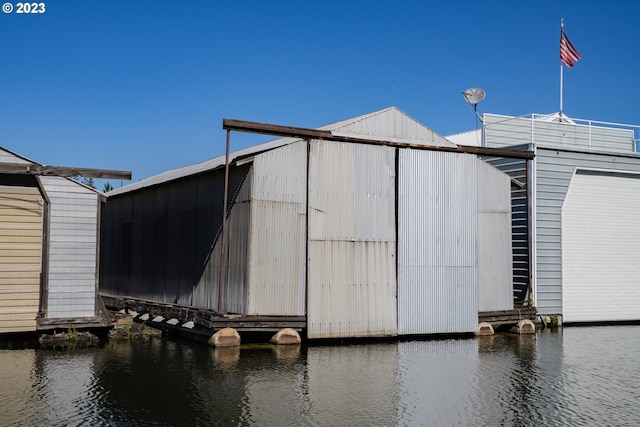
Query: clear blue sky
x,y
144,85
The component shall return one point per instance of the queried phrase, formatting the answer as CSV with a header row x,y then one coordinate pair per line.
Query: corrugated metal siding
x,y
21,210
234,296
554,171
391,123
600,247
157,243
351,259
73,231
517,169
277,254
437,243
501,131
495,290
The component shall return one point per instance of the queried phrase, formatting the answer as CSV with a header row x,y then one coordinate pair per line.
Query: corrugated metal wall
x,y
351,242
391,123
437,243
517,169
600,248
495,267
73,244
21,216
277,253
234,295
156,242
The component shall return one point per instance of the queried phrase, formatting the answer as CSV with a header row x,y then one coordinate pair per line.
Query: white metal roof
x,y
388,124
471,137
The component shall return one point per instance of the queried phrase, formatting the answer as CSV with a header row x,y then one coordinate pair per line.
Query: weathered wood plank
x,y
63,171
209,319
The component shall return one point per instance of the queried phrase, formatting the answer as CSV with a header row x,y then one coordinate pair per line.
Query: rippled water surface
x,y
579,376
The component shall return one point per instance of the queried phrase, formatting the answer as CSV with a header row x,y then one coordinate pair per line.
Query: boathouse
x,y
49,228
584,192
369,227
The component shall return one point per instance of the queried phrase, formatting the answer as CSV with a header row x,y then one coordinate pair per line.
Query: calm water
x,y
580,376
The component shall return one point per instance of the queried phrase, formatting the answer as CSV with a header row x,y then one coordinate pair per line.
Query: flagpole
x,y
561,71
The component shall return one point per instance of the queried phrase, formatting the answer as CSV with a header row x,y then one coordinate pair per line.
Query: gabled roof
x,y
11,162
8,156
389,124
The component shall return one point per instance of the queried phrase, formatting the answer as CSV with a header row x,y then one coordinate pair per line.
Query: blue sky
x,y
144,85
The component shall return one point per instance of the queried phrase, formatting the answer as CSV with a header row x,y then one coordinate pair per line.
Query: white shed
x,y
49,228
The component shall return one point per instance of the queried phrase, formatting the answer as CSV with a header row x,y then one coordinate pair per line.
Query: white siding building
x,y
48,250
584,187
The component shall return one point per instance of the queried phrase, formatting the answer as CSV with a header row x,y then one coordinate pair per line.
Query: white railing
x,y
559,130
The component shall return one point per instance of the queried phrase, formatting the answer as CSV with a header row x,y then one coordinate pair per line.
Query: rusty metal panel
x,y
277,251
73,244
352,248
495,265
437,243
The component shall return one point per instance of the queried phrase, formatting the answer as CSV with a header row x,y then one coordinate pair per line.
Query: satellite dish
x,y
474,96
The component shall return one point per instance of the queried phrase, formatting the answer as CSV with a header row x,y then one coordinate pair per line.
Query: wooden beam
x,y
63,171
305,133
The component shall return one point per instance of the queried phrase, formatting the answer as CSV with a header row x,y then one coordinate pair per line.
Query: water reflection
x,y
581,376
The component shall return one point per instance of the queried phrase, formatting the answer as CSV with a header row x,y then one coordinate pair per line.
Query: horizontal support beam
x,y
63,171
305,133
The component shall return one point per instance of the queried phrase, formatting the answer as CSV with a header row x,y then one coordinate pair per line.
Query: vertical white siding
x,y
73,231
277,250
351,258
600,248
495,289
437,243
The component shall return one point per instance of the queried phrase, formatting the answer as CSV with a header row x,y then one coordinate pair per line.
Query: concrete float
x,y
484,329
286,336
227,337
524,326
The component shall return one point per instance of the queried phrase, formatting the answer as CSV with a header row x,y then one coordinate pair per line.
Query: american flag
x,y
568,53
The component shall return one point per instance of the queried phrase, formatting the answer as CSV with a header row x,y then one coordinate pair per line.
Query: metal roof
x,y
471,137
387,124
